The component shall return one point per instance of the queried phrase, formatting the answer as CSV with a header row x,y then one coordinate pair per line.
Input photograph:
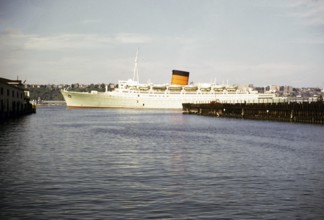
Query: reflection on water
x,y
120,164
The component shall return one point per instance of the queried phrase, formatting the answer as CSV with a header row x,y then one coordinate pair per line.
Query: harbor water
x,y
143,164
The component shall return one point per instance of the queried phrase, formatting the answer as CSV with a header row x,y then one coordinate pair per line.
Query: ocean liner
x,y
132,94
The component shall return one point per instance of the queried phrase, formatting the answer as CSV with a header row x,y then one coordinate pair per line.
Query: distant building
x,y
111,87
288,90
14,101
274,88
260,89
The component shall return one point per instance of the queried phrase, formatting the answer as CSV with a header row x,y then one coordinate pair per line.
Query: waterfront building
x,y
14,100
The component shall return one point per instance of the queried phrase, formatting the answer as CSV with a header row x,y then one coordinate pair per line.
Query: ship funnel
x,y
179,77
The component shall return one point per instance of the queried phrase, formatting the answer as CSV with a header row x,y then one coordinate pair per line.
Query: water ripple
x,y
128,164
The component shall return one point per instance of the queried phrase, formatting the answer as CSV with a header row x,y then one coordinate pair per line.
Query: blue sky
x,y
263,42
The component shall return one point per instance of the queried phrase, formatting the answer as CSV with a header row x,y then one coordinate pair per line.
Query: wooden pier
x,y
289,112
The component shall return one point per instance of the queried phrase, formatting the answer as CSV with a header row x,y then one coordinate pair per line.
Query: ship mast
x,y
136,68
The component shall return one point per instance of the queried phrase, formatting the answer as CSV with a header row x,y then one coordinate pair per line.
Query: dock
x,y
305,112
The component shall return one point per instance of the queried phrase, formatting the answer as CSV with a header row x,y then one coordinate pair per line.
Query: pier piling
x,y
305,112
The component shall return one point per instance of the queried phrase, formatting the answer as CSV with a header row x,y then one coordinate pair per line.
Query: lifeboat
x,y
231,89
131,87
205,87
159,87
144,87
218,88
175,88
191,88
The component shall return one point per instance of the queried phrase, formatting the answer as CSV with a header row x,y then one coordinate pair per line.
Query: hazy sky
x,y
263,42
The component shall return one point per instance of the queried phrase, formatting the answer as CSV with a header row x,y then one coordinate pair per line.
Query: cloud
x,y
132,38
277,73
263,67
250,72
11,40
314,40
82,41
90,21
311,11
68,41
278,68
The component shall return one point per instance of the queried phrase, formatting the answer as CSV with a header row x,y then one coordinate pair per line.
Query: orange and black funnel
x,y
179,77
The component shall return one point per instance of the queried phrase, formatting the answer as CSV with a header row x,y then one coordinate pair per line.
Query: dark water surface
x,y
130,164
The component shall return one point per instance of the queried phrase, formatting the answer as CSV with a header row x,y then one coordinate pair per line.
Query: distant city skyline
x,y
260,42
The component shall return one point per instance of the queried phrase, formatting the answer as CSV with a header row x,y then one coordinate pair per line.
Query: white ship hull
x,y
148,100
132,94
